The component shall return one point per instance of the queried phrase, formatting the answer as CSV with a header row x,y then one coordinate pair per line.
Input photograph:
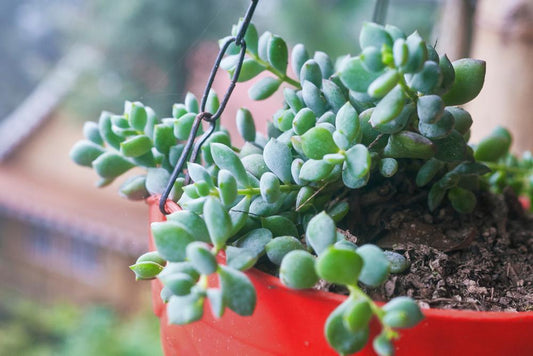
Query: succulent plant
x,y
345,124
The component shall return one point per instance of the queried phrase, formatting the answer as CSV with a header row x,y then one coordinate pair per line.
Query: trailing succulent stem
x,y
346,126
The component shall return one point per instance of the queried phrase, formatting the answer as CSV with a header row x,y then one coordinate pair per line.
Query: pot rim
x,y
339,298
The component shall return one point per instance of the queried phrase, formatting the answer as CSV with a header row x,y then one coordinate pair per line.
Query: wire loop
x,y
211,118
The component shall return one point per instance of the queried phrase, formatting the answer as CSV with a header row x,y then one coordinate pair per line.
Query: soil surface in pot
x,y
479,261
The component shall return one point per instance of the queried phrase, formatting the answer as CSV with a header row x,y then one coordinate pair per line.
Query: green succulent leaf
x,y
376,267
354,75
105,127
216,302
428,78
388,108
178,283
239,214
183,310
85,152
334,95
146,270
374,35
171,240
314,98
398,263
164,138
238,292
225,158
279,225
134,188
388,167
138,116
451,148
240,258
493,147
297,270
463,200
314,170
469,79
278,247
201,257
383,84
183,126
341,338
428,171
278,53
357,314
383,345
218,222
250,69
318,142
339,266
311,72
227,186
136,146
438,130
400,52
278,159
435,196
448,73
356,169
429,108
407,144
246,125
304,120
463,120
264,88
191,103
299,56
347,122
92,133
321,232
111,165
406,306
372,59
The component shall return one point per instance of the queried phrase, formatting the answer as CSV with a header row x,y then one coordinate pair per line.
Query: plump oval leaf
x,y
264,88
183,310
246,125
318,142
237,291
171,240
376,267
225,158
356,169
469,79
217,221
297,270
278,158
339,266
278,247
321,232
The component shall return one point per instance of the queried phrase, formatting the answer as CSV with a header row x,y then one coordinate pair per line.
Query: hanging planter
x,y
381,125
288,322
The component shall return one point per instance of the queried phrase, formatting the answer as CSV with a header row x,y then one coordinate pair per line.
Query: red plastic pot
x,y
288,322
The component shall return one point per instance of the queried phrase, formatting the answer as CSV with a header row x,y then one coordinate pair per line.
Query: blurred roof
x,y
39,183
44,99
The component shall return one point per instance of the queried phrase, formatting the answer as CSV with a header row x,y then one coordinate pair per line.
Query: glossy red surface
x,y
288,322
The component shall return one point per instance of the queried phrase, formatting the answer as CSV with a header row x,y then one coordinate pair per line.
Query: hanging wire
x,y
380,11
203,115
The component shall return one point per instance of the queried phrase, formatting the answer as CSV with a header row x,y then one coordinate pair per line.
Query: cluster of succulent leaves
x,y
279,199
507,169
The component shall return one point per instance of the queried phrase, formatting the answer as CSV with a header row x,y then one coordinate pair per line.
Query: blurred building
x,y
60,238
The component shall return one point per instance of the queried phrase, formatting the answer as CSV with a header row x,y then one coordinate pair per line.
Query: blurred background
x,y
65,246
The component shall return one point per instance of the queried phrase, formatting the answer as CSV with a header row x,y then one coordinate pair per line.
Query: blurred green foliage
x,y
31,329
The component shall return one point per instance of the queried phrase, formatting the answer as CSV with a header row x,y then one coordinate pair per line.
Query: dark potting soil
x,y
479,261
